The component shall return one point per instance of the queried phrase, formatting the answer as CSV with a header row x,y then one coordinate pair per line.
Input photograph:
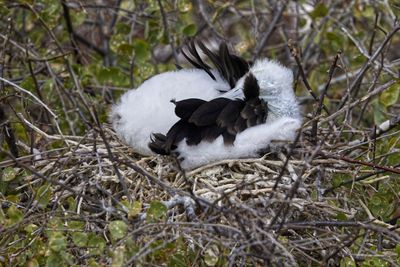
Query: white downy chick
x,y
210,122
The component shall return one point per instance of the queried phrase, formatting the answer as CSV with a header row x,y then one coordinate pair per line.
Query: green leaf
x,y
134,208
117,229
14,214
67,257
184,6
341,216
190,30
338,178
211,255
43,195
156,211
76,225
398,250
380,206
118,256
390,96
122,28
71,204
379,112
336,40
125,49
53,260
32,263
320,10
96,244
78,17
80,239
177,260
108,75
347,262
9,174
3,187
93,263
57,242
28,84
141,48
30,228
131,247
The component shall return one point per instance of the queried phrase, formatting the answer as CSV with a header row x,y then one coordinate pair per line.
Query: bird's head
x,y
275,87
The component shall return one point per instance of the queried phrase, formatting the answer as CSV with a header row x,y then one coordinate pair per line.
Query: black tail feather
x,y
229,66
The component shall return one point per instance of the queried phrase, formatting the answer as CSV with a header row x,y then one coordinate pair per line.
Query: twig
x,y
350,181
295,54
166,29
278,11
49,180
70,29
8,133
347,241
368,64
317,112
370,164
378,90
31,95
112,157
206,19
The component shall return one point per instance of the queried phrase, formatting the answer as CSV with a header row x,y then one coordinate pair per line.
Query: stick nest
x,y
278,208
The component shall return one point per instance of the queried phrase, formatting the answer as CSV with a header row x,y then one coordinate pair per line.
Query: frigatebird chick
x,y
205,114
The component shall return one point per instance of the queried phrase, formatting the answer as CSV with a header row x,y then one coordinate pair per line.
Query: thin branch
x,y
31,95
295,54
166,30
375,92
278,11
317,112
368,64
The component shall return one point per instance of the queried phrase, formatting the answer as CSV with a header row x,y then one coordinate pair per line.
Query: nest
x,y
277,209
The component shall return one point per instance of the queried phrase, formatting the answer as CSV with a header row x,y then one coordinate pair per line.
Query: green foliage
x,y
190,30
117,229
380,112
43,195
9,174
141,48
134,208
391,95
320,10
96,244
156,212
347,262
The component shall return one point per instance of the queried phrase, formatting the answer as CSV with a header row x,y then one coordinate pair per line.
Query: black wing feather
x,y
220,116
185,108
208,112
211,133
230,113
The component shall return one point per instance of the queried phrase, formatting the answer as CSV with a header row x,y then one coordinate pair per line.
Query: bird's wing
x,y
207,120
229,66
